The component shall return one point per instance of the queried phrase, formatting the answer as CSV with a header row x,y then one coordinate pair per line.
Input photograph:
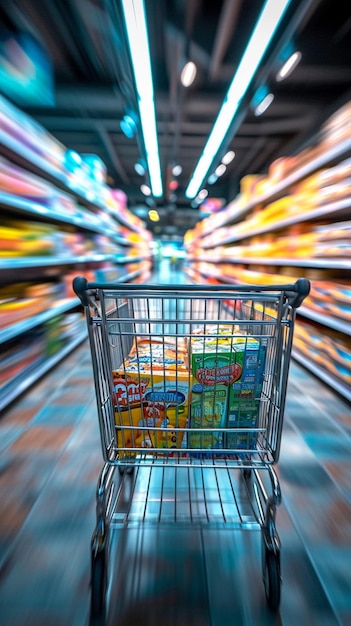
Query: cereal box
x,y
150,394
213,370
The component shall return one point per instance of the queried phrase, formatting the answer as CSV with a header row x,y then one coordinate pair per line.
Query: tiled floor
x,y
50,463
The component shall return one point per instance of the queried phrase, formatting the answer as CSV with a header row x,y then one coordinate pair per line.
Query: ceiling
x,y
94,86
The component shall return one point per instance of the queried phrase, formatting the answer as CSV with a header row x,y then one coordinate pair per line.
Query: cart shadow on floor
x,y
176,577
173,573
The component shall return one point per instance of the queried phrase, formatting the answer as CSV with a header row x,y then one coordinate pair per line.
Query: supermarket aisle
x,y
168,273
50,462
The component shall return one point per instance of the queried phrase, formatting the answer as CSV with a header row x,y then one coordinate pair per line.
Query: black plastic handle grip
x,y
80,287
303,287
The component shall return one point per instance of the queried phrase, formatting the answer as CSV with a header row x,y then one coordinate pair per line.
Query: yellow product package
x,y
146,401
157,354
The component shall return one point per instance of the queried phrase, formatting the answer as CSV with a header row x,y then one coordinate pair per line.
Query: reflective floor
x,y
167,575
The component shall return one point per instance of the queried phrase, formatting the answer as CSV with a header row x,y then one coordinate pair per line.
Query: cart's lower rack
x,y
197,495
161,457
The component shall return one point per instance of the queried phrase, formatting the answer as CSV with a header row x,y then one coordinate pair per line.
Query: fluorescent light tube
x,y
219,171
267,24
135,20
188,74
289,66
228,157
264,104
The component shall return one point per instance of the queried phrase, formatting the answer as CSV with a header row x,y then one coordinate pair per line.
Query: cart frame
x,y
122,317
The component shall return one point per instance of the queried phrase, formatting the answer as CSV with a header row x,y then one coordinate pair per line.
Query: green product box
x,y
243,414
213,370
53,335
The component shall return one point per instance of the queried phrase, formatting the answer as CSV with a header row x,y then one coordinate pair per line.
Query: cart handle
x,y
296,292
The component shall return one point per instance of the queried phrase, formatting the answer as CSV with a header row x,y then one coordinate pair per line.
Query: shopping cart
x,y
190,385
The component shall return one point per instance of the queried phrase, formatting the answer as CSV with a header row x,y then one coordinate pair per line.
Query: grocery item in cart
x,y
159,354
212,372
245,392
151,393
228,370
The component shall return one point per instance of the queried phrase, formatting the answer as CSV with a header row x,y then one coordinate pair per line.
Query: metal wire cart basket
x,y
190,385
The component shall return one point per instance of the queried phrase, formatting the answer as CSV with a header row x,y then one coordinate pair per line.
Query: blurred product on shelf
x,y
331,298
331,352
19,356
59,219
295,221
16,180
24,135
337,127
18,301
26,239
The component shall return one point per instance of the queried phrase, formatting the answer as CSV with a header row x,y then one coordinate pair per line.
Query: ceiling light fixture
x,y
188,74
145,189
139,168
202,194
135,20
228,157
212,179
289,66
264,104
177,170
154,216
128,126
219,171
266,26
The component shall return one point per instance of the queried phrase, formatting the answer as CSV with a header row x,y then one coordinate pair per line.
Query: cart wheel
x,y
272,579
98,584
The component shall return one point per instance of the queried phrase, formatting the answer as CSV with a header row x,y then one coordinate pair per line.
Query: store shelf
x,y
22,262
26,262
66,204
212,255
130,221
341,388
326,320
24,325
235,213
338,209
23,156
130,259
129,277
215,274
326,263
35,209
32,374
33,161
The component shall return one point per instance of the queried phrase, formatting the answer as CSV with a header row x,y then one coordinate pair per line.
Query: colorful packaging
x,y
244,393
152,401
213,371
156,354
243,414
151,392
